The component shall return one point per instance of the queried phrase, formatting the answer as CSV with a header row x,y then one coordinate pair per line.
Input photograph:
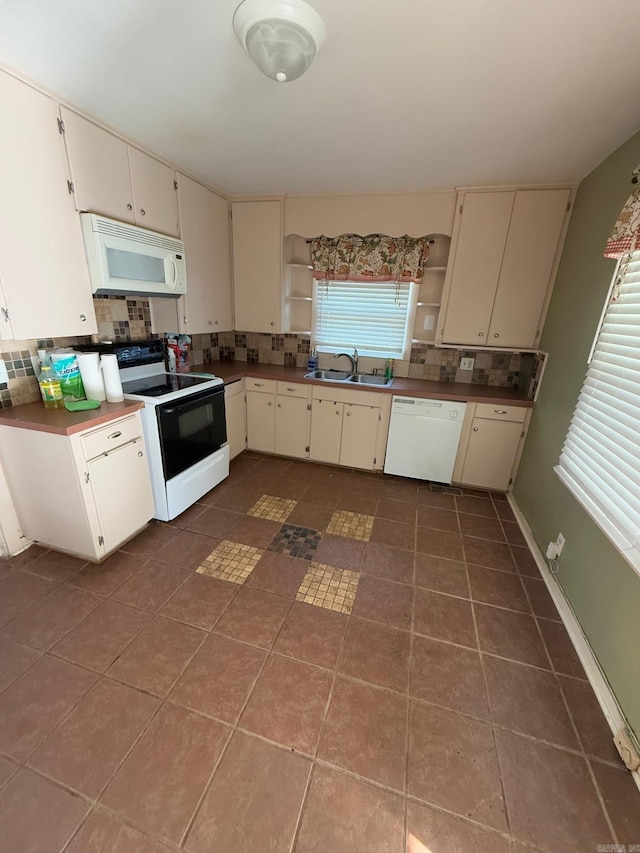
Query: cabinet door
x,y
99,166
43,267
532,244
261,421
359,433
236,411
292,426
257,265
491,453
476,263
155,199
122,511
204,225
326,431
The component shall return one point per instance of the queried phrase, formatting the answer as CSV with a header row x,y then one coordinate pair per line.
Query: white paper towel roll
x,y
89,364
112,383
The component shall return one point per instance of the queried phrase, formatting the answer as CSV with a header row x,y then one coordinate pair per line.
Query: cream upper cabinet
x,y
154,193
204,219
45,290
257,265
117,180
503,255
99,167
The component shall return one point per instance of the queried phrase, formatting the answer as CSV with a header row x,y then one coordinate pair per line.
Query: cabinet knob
x,y
211,322
481,334
475,429
496,335
348,414
216,323
279,405
140,453
142,211
270,403
272,323
83,317
129,207
184,320
337,411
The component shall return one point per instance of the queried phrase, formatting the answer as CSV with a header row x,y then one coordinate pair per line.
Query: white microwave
x,y
125,259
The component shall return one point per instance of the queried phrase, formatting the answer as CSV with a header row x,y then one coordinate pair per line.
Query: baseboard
x,y
597,678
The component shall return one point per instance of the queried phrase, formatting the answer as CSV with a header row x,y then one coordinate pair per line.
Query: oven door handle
x,y
186,407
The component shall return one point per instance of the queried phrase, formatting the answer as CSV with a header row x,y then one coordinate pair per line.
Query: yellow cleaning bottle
x,y
50,388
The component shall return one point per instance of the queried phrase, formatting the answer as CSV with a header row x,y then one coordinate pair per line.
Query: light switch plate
x,y
429,322
467,363
4,376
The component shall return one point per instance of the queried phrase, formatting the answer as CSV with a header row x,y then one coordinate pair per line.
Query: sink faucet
x,y
352,358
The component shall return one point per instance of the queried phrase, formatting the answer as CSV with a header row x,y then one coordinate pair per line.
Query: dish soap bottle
x,y
50,388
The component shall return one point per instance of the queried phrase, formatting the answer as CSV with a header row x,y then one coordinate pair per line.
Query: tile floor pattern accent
x,y
328,587
273,508
158,702
296,541
231,561
351,525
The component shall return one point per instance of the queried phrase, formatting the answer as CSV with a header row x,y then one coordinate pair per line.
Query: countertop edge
x,y
230,371
61,422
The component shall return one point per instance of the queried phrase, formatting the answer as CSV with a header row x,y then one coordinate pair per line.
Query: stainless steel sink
x,y
328,375
369,379
341,376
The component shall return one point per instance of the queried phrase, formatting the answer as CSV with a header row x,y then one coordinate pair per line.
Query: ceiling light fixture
x,y
281,36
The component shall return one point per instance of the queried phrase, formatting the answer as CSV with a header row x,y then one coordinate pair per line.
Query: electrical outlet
x,y
627,750
560,544
4,376
429,322
467,363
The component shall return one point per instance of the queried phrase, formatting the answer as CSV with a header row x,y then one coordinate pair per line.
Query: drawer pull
x,y
115,434
291,389
258,384
500,411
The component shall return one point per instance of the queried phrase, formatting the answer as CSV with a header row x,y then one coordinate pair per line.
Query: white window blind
x,y
600,459
374,317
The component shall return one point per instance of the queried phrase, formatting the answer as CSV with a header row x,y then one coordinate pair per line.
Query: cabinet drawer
x,y
294,389
501,413
266,386
111,435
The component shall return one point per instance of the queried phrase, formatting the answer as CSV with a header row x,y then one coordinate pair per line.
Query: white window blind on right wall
x,y
600,459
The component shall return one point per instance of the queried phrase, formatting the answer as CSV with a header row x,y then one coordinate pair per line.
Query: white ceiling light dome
x,y
281,36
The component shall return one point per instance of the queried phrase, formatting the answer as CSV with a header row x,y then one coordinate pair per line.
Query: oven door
x,y
191,429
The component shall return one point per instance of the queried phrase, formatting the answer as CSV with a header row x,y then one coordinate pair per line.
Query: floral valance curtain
x,y
375,257
625,236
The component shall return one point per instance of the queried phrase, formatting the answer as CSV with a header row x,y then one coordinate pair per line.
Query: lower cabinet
x,y
236,414
278,417
490,446
68,490
346,427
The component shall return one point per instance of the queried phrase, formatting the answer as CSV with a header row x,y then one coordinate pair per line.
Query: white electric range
x,y
184,425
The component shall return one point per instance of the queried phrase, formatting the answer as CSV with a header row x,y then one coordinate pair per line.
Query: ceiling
x,y
405,95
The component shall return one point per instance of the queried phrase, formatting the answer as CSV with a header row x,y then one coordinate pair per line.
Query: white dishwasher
x,y
423,438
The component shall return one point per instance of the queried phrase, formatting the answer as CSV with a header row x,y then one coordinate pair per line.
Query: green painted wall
x,y
602,588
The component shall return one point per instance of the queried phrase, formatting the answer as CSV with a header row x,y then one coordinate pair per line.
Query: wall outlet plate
x,y
429,322
4,376
467,363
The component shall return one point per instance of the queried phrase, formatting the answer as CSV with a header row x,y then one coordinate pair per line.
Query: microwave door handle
x,y
174,267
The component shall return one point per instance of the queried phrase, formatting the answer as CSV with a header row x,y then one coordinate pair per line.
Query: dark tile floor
x,y
145,706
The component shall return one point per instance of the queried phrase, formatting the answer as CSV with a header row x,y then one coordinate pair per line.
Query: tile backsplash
x,y
122,318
